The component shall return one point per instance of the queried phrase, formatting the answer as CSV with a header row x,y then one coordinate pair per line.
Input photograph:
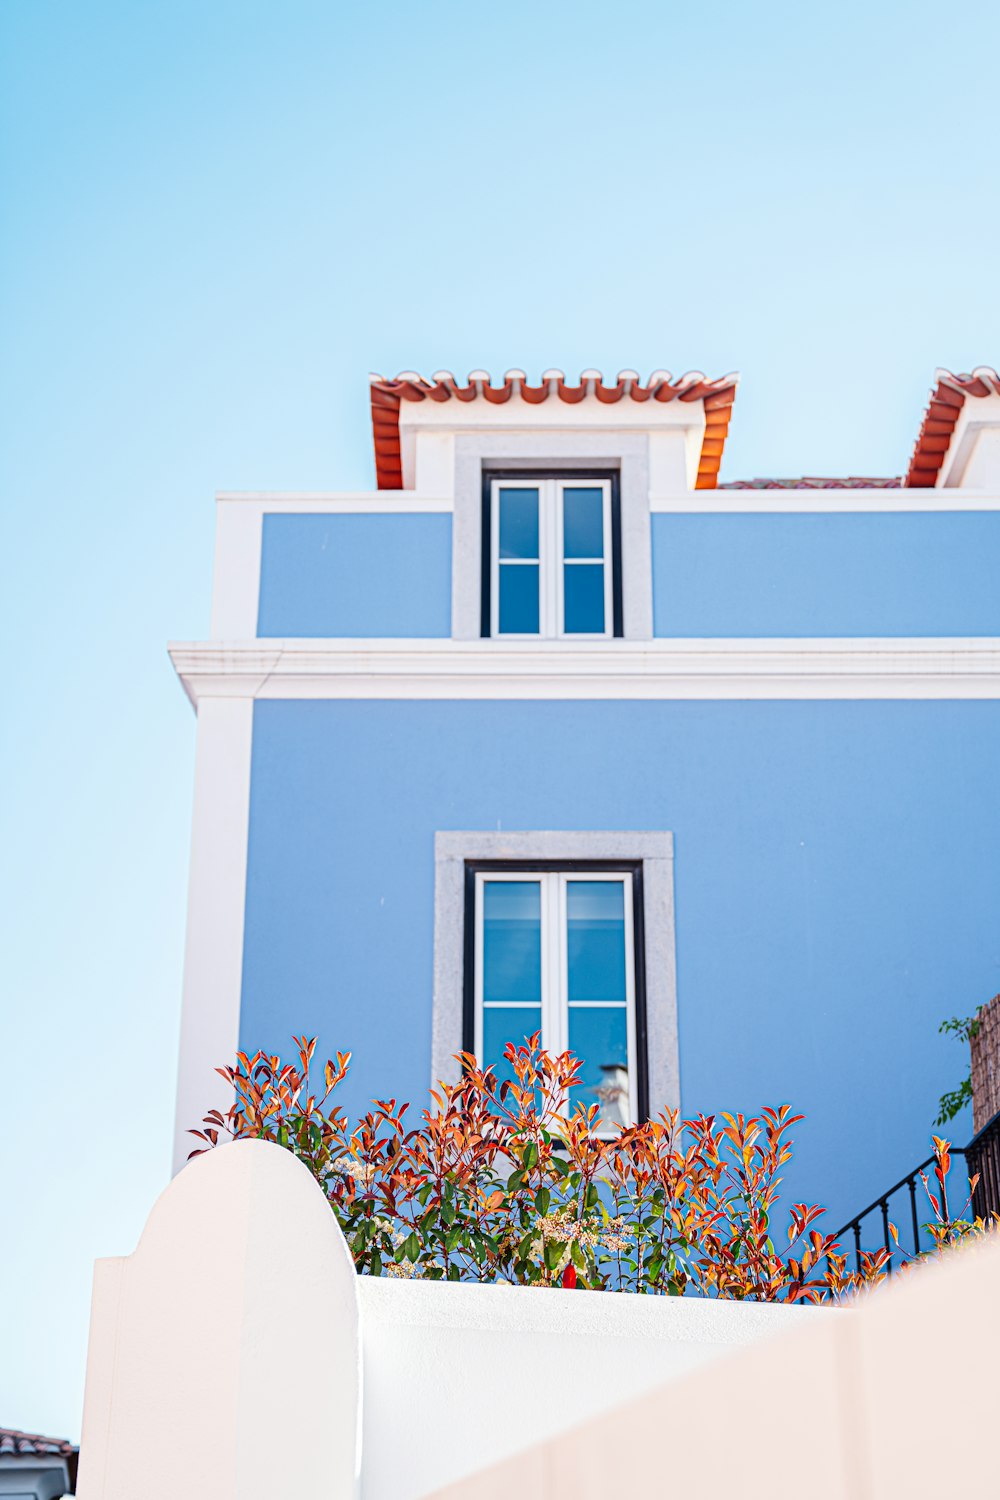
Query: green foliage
x,y
501,1183
954,1101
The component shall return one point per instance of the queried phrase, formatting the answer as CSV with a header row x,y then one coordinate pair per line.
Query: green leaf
x,y
376,1263
542,1200
412,1248
530,1154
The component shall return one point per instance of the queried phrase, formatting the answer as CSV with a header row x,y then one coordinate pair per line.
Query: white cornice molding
x,y
683,502
934,668
339,502
824,502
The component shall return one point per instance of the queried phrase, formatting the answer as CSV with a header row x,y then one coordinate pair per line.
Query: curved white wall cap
x,y
224,1358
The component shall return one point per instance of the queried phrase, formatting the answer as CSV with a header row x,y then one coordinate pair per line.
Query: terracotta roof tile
x,y
16,1444
943,410
386,395
807,483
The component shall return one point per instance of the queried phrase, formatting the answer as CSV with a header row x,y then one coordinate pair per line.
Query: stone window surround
x,y
654,849
546,451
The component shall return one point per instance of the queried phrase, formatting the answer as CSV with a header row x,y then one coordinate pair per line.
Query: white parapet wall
x,y
897,1398
235,1355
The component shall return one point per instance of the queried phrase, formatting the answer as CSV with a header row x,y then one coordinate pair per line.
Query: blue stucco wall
x,y
355,575
837,890
826,575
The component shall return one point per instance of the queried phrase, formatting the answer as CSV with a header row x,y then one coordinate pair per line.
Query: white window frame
x,y
555,1002
551,560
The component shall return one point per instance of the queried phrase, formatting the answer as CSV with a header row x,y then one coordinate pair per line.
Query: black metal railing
x,y
982,1157
881,1205
982,1160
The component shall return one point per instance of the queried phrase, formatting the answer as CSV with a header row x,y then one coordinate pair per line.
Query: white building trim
x,y
754,502
213,958
822,502
335,502
918,668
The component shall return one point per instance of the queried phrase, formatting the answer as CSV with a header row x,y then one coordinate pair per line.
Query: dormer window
x,y
551,550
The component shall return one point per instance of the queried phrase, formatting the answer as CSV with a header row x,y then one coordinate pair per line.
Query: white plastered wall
x,y
213,954
235,1354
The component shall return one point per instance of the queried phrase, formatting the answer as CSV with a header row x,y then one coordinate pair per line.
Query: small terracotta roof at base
x,y
16,1444
938,427
853,483
717,395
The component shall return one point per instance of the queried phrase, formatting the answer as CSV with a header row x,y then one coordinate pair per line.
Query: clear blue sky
x,y
217,219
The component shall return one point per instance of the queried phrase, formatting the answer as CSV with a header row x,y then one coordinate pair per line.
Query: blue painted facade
x,y
836,874
355,576
837,889
877,574
724,575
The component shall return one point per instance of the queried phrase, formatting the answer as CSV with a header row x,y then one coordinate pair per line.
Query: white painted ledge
x,y
932,668
335,502
819,502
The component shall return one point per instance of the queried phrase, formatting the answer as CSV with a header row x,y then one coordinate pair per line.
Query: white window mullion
x,y
551,570
558,575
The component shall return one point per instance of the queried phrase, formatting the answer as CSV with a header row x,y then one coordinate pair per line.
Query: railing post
x,y
912,1184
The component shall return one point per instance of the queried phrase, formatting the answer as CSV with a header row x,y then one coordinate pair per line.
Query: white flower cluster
x,y
614,1236
361,1171
402,1269
617,1235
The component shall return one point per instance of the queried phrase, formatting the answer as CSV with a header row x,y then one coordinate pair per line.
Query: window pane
x,y
598,1035
518,523
583,523
519,598
503,1024
583,598
512,940
595,918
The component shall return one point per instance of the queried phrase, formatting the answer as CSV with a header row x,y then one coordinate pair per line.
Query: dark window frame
x,y
632,867
490,476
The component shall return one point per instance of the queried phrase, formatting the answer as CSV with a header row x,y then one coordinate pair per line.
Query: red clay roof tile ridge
x,y
817,482
947,398
387,394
